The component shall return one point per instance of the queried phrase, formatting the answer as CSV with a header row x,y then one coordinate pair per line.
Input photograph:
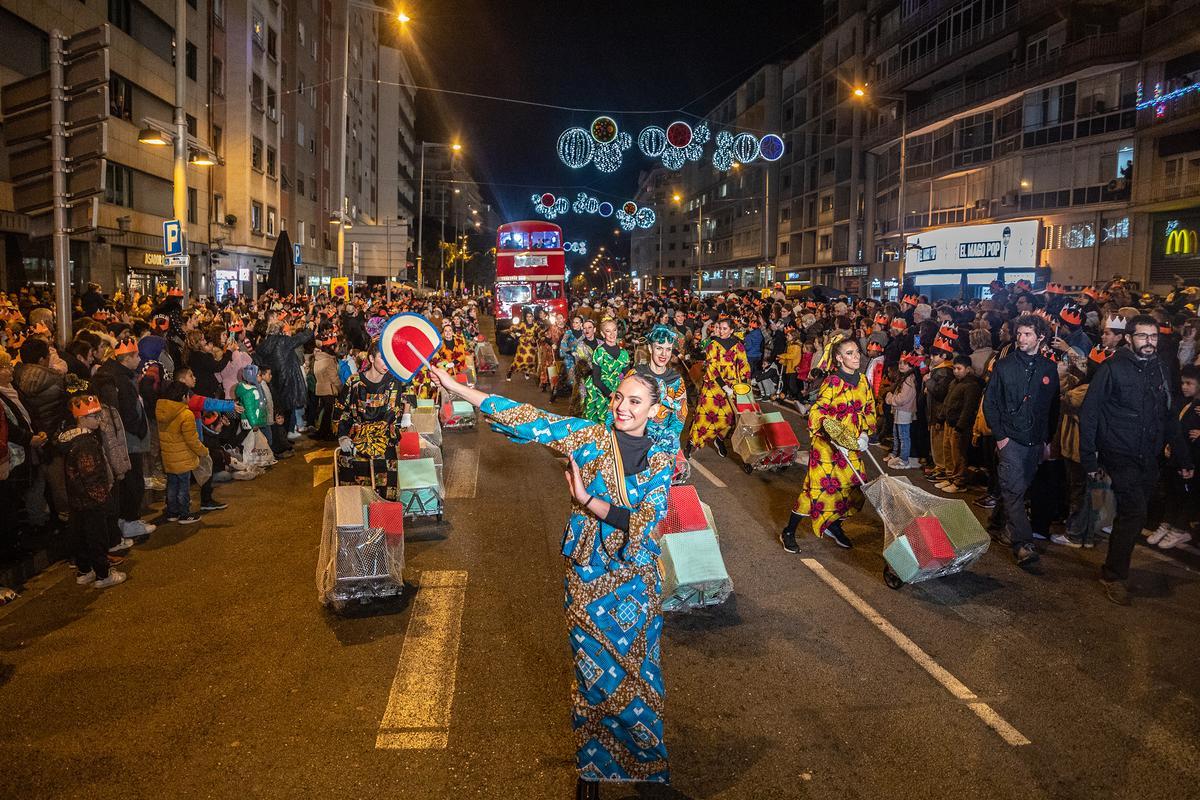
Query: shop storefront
x,y
1175,246
852,278
145,270
961,261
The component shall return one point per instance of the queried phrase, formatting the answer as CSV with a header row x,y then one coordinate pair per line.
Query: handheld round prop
x,y
408,342
840,434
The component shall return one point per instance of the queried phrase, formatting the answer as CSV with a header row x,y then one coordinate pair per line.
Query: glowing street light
x,y
403,18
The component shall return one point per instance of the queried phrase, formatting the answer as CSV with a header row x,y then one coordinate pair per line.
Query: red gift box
x,y
929,542
386,515
409,445
683,511
448,415
779,435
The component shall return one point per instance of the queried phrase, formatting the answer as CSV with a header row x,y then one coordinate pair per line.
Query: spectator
x,y
116,383
181,452
90,491
959,410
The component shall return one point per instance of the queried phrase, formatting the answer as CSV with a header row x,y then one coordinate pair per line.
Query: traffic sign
x,y
297,258
172,237
35,161
176,261
83,181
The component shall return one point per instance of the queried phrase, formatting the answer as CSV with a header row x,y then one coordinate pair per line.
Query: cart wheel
x,y
746,468
891,578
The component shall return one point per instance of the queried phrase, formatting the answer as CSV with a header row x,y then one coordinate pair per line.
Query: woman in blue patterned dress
x,y
618,475
668,425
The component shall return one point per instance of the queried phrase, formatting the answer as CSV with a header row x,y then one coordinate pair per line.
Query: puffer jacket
x,y
181,445
117,386
43,392
325,368
278,352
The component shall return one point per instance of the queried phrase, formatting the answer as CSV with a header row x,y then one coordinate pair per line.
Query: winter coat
x,y
962,402
1128,415
254,404
903,396
1022,399
232,373
936,387
43,392
116,445
325,369
116,384
88,476
199,405
181,445
18,437
1068,428
979,359
278,352
205,367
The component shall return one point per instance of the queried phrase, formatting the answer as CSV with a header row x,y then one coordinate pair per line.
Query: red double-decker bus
x,y
530,270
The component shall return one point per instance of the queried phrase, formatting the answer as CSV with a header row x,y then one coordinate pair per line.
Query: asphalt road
x,y
214,672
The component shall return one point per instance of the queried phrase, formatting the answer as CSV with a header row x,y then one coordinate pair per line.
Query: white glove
x,y
728,391
406,420
862,441
346,445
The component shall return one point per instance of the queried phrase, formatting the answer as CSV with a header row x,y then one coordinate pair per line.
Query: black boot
x,y
719,446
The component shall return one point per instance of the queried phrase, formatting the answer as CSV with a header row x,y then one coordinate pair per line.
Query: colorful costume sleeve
x,y
523,423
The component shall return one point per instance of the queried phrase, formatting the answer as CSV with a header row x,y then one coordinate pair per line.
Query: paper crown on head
x,y
943,344
911,299
1100,354
898,323
1166,328
1055,288
83,404
125,347
1116,323
874,346
160,322
40,329
175,293
881,318
1071,314
913,359
1041,312
1024,285
330,342
1094,294
948,332
236,326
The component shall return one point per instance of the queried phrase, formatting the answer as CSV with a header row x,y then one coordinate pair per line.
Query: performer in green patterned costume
x,y
609,363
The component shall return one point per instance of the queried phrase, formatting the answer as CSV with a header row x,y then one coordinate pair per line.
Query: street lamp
x,y
455,148
861,92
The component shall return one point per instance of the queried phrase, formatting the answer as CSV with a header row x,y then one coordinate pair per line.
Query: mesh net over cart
x,y
486,362
357,561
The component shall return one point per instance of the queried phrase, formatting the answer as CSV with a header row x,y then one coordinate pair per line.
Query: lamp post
x,y
455,149
861,92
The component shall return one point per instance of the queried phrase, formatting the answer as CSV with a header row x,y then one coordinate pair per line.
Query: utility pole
x,y
58,156
179,169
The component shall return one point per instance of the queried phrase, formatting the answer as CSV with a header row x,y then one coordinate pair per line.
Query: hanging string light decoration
x,y
645,217
652,141
576,147
745,147
722,158
550,206
684,144
605,209
770,147
609,155
626,220
585,204
579,248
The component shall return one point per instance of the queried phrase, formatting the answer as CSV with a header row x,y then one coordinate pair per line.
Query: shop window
x,y
1114,230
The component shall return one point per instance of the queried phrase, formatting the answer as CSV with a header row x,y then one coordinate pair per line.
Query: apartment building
x,y
663,256
1018,119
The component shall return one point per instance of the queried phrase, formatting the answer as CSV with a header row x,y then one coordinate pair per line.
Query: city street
x,y
214,672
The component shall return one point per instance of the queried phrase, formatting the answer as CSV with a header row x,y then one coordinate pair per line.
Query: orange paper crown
x,y
160,322
175,293
1055,288
1071,314
125,347
942,343
898,323
1100,354
84,404
881,318
911,299
948,331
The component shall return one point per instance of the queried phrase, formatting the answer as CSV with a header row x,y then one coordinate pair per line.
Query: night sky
x,y
619,57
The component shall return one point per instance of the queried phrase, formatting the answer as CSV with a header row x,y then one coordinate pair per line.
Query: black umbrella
x,y
282,277
821,292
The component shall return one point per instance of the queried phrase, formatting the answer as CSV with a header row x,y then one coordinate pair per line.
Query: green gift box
x,y
901,558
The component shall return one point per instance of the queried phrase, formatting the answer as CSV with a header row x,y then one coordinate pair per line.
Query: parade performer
x,y
667,426
725,364
454,348
609,362
526,332
566,352
370,413
830,493
547,354
619,477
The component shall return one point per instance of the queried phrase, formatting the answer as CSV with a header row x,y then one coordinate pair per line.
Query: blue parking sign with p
x,y
172,238
296,257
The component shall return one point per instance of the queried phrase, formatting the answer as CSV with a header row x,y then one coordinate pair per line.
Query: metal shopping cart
x,y
762,440
361,556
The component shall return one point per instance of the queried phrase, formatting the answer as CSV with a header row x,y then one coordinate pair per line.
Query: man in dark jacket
x,y
959,410
1021,408
116,382
43,392
1124,423
288,386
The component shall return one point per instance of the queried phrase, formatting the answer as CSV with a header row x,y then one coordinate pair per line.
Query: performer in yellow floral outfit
x,y
725,364
831,492
526,332
454,349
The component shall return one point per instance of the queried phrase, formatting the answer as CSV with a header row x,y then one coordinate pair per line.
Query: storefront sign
x,y
1179,240
852,271
1005,245
153,259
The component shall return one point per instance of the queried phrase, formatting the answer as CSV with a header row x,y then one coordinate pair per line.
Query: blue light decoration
x,y
652,141
576,148
609,155
770,147
722,158
585,204
645,217
551,209
626,220
1158,101
745,147
605,209
579,248
684,144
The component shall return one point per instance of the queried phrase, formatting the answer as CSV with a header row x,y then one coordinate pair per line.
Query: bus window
x,y
544,240
549,290
514,240
513,292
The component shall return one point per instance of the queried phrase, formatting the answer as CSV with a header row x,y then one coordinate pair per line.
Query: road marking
x,y
418,709
939,673
720,484
313,455
462,467
322,473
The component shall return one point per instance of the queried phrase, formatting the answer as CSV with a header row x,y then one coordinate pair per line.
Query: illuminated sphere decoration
x,y
548,200
630,207
645,217
770,147
604,129
576,147
745,147
627,221
608,157
652,141
552,209
722,158
592,206
679,134
605,209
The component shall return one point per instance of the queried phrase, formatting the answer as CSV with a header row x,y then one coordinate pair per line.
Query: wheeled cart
x,y
361,557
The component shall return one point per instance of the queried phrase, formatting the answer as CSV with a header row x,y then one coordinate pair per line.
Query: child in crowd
x,y
903,401
209,465
256,450
1182,507
92,501
182,451
277,433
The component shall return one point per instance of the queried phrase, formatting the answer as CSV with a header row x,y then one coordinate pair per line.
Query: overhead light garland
x,y
603,144
550,206
579,248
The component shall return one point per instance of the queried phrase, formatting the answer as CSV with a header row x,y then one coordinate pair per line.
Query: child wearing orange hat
x,y
92,502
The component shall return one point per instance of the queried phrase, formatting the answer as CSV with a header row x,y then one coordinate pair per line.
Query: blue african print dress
x,y
612,595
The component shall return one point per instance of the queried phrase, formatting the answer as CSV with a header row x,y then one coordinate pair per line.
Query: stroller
x,y
925,536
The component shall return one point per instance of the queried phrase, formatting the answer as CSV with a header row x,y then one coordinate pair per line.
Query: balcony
x,y
1182,107
932,14
1178,191
1080,54
1178,26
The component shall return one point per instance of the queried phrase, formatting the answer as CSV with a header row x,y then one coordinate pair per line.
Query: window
x,y
272,160
270,221
1080,235
190,57
256,153
826,203
300,133
300,232
783,248
300,185
1114,230
256,91
218,138
256,215
272,43
300,32
825,242
218,77
120,97
258,29
272,103
218,12
193,206
120,14
118,184
218,209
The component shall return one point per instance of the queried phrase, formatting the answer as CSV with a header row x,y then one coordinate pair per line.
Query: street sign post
x,y
297,258
57,142
176,261
172,237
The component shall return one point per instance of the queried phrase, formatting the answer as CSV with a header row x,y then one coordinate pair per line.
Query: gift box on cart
x,y
409,445
749,443
969,538
684,512
425,402
779,434
929,542
901,558
418,487
693,571
425,422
